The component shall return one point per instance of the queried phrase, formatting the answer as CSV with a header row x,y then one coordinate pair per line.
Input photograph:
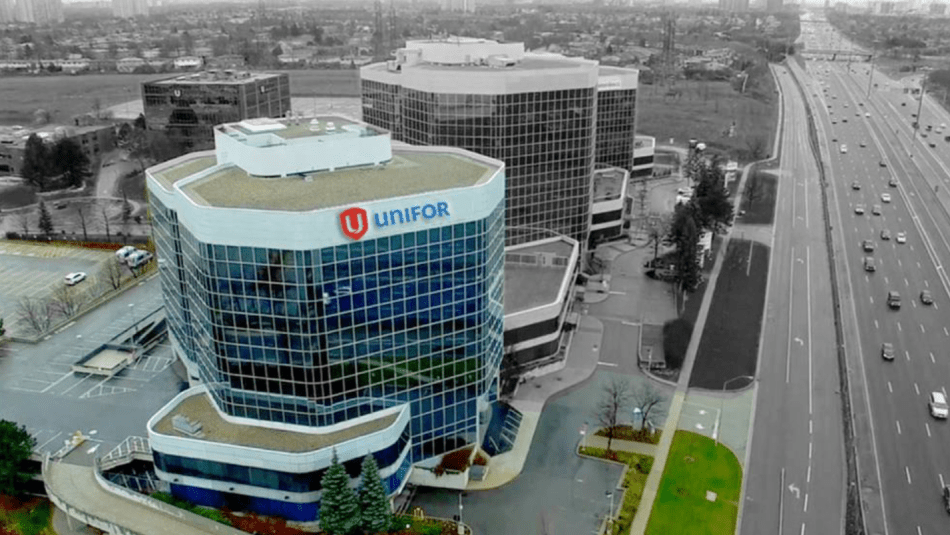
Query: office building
x,y
609,203
734,6
39,12
468,6
93,139
534,112
644,148
616,117
327,290
126,9
187,107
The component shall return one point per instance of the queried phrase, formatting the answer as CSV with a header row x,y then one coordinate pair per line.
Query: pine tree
x,y
35,168
376,514
339,506
46,222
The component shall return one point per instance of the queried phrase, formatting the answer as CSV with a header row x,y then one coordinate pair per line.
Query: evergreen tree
x,y
2,330
68,159
46,222
339,506
376,515
685,234
16,446
35,167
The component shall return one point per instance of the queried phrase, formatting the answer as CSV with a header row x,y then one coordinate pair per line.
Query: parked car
x,y
73,279
139,258
123,253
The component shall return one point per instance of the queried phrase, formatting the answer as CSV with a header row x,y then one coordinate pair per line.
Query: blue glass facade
x,y
318,337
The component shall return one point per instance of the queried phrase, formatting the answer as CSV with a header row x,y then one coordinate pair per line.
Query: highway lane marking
x,y
905,282
803,524
932,358
805,510
876,326
907,471
808,297
907,354
926,282
809,452
914,303
935,306
808,477
922,328
607,364
940,476
810,426
927,426
871,297
916,389
890,388
791,279
899,328
898,427
40,447
886,282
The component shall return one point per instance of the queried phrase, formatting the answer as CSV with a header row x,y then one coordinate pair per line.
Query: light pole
x,y
132,311
610,517
920,106
461,528
722,403
870,77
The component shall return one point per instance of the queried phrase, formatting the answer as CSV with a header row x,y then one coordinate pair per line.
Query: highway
x,y
796,466
909,445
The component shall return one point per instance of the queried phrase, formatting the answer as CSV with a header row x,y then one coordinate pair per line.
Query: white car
x,y
844,148
885,197
938,405
123,253
73,279
859,209
901,237
139,258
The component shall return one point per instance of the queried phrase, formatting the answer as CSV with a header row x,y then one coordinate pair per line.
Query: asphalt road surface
x,y
910,445
795,472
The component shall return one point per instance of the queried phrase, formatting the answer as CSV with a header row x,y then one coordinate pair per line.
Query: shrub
x,y
13,235
676,335
644,465
458,460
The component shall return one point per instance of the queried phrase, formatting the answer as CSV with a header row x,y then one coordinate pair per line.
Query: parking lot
x,y
35,271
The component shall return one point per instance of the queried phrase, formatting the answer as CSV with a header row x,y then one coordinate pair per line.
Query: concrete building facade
x,y
93,140
327,290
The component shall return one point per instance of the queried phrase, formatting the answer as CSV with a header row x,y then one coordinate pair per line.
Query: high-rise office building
x,y
467,6
735,6
535,112
327,291
187,107
126,9
616,117
40,12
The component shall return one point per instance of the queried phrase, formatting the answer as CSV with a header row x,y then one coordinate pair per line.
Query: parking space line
x,y
40,447
61,379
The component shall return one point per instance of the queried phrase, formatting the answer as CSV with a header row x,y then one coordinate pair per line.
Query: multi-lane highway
x,y
796,474
874,122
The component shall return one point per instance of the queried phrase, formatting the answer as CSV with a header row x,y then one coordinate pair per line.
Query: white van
x,y
123,254
139,258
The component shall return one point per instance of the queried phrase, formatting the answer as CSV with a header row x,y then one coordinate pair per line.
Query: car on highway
x,y
938,405
868,246
885,197
869,264
867,115
885,234
855,185
892,182
893,299
946,498
882,163
844,120
834,122
859,209
933,145
862,144
845,105
876,209
926,297
903,103
887,351
73,279
844,149
857,114
834,140
901,237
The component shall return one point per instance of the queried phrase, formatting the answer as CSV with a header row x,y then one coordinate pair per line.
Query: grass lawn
x,y
633,482
697,465
730,339
65,96
30,517
324,82
704,111
17,195
758,199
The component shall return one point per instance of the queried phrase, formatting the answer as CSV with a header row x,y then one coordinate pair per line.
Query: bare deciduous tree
x,y
657,230
649,400
113,274
756,147
66,300
105,218
23,219
614,399
37,313
82,221
753,189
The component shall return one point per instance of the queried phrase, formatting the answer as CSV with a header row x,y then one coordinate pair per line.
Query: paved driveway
x,y
567,491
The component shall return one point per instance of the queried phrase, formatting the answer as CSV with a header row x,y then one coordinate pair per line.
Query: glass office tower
x,y
326,291
534,112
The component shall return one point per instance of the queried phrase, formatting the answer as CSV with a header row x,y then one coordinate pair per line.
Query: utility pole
x,y
920,105
378,31
393,36
870,76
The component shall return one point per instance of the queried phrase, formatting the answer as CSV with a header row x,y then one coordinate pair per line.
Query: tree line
x,y
61,163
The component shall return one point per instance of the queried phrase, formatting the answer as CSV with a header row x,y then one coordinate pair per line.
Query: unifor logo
x,y
354,222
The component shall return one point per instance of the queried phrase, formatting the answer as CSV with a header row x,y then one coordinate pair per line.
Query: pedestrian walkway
x,y
630,446
76,490
580,363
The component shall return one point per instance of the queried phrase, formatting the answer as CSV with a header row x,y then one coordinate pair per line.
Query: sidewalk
x,y
581,363
642,448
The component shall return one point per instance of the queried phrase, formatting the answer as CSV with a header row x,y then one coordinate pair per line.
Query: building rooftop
x,y
528,283
226,76
184,169
17,135
608,184
288,129
528,63
408,173
198,409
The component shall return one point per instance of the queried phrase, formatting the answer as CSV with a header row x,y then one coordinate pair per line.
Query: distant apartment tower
x,y
535,112
127,9
39,12
468,6
734,5
187,107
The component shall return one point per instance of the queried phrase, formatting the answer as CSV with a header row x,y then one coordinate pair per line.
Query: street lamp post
x,y
461,528
610,517
870,77
920,107
132,310
722,403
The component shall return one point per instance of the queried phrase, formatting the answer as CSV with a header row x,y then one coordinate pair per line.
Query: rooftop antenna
x,y
378,31
393,38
